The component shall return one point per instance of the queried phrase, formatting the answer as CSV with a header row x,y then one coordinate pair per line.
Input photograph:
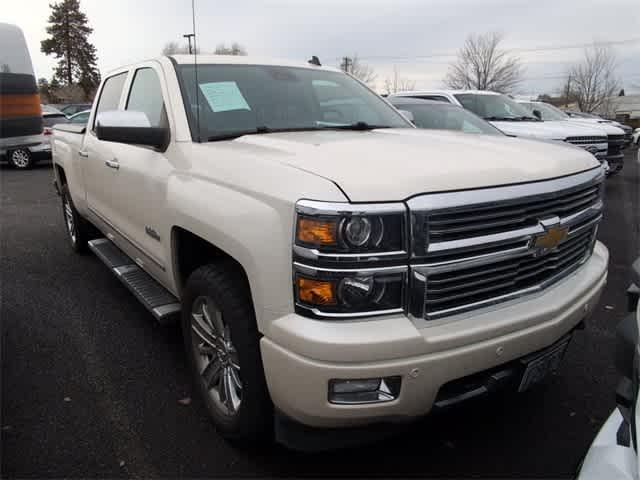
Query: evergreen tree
x,y
68,41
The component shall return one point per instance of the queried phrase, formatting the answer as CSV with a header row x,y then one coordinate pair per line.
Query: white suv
x,y
516,120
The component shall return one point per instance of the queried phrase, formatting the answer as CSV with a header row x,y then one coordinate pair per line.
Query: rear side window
x,y
146,96
437,98
110,94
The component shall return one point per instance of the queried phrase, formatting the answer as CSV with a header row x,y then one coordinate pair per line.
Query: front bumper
x,y
616,162
301,355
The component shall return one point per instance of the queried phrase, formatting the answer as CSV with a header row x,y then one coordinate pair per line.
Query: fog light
x,y
366,390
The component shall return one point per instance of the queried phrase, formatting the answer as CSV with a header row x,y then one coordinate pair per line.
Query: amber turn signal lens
x,y
316,292
319,232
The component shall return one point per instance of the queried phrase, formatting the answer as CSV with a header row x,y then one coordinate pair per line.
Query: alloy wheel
x,y
20,158
69,220
215,356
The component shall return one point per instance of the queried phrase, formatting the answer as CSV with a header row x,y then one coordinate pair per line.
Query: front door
x,y
99,159
138,194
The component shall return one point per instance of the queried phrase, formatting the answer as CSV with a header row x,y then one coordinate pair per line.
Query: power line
x,y
521,49
577,45
560,76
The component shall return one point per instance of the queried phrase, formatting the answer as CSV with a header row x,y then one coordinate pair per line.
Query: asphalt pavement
x,y
93,387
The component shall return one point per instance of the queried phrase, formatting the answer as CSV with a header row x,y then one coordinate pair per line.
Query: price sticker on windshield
x,y
224,96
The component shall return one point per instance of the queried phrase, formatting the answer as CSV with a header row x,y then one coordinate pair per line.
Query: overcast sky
x,y
384,33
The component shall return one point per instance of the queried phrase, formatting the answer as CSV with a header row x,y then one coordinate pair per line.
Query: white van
x,y
21,133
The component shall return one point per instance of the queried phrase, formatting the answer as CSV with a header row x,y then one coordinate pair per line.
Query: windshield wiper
x,y
357,126
236,134
527,118
264,129
257,131
502,119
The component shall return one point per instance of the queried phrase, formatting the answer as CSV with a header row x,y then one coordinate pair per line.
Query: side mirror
x,y
134,128
537,114
407,114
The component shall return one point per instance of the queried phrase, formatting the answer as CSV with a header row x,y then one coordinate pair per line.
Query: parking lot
x,y
93,387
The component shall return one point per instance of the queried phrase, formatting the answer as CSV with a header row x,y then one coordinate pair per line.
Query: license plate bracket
x,y
539,365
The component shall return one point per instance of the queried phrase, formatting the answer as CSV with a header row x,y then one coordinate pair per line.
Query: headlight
x,y
346,259
343,231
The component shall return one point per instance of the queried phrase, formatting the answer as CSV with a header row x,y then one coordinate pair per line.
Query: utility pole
x,y
188,36
567,92
346,63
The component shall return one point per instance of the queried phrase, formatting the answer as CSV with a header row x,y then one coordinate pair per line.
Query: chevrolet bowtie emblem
x,y
551,238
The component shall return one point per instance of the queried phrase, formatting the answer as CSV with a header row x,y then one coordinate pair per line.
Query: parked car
x,y
442,116
73,108
51,116
595,118
615,136
332,266
614,452
21,139
515,120
80,117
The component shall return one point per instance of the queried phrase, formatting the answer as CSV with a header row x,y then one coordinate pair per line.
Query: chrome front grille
x,y
451,291
479,247
489,219
586,140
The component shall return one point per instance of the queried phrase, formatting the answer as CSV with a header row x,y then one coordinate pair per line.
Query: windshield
x,y
548,112
260,99
444,116
50,109
494,107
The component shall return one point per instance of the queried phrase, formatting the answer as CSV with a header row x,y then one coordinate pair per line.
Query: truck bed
x,y
70,127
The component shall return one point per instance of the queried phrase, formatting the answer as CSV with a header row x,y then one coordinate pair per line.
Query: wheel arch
x,y
61,176
191,251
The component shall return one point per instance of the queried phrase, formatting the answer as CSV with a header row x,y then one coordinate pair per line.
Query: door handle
x,y
83,153
112,164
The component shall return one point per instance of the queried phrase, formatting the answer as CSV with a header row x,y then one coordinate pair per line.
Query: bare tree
x,y
174,48
397,84
361,71
234,49
482,65
593,79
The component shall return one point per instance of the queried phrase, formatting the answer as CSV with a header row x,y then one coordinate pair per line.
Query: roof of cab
x,y
418,101
445,92
244,60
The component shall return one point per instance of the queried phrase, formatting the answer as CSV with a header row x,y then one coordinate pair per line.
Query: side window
x,y
438,98
146,96
110,94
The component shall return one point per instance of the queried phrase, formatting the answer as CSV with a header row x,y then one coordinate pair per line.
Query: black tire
x,y
20,158
83,231
225,284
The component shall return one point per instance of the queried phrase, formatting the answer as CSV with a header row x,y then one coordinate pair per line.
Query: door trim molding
x,y
156,262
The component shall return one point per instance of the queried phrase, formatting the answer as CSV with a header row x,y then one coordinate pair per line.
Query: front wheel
x,y
222,345
78,229
21,159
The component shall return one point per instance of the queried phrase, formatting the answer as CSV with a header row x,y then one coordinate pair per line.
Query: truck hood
x,y
608,127
394,164
548,130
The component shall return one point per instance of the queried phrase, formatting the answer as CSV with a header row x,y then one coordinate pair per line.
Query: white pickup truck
x,y
332,266
518,121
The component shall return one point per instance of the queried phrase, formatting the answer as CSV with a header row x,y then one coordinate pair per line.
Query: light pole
x,y
188,36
